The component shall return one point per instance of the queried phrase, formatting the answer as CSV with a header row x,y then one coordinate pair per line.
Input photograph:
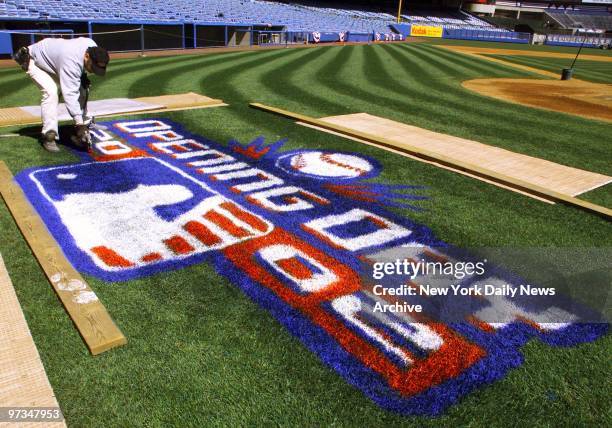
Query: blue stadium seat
x,y
258,12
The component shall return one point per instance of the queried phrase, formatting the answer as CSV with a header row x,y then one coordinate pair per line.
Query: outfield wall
x,y
461,34
577,41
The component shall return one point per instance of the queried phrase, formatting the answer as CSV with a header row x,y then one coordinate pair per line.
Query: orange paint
x,y
294,268
178,245
225,224
248,218
202,233
151,257
110,257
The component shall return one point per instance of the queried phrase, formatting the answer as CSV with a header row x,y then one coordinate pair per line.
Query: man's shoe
x,y
48,142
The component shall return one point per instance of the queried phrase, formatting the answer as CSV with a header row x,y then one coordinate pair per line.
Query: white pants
x,y
49,97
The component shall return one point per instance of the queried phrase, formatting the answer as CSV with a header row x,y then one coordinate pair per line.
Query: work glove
x,y
82,138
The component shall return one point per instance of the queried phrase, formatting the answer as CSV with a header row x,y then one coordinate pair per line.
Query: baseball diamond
x,y
229,213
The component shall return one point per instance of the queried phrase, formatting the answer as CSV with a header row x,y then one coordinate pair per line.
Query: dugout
x,y
238,36
209,35
269,35
25,32
138,36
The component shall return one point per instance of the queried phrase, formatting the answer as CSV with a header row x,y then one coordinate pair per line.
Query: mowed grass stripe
x,y
516,46
237,83
220,80
332,78
599,72
14,84
137,81
241,83
244,83
277,79
379,75
296,84
459,98
283,80
534,134
18,89
141,85
471,65
445,98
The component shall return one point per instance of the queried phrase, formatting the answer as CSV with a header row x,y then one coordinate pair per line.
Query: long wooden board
x,y
550,175
449,168
23,381
445,160
87,312
15,116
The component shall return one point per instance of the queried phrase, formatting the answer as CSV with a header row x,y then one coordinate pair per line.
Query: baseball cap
x,y
99,59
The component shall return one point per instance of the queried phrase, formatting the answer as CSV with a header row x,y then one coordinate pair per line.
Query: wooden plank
x,y
447,161
23,381
188,101
560,178
458,171
87,312
16,116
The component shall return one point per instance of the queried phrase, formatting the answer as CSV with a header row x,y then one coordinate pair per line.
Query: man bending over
x,y
67,62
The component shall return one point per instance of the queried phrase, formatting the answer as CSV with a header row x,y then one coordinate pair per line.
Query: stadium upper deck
x,y
294,17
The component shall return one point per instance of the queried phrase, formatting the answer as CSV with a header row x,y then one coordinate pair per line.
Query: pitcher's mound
x,y
586,99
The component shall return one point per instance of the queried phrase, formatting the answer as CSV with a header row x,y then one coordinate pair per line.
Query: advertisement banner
x,y
425,31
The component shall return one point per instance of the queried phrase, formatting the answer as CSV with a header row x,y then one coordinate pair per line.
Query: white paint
x,y
265,179
504,311
168,135
72,285
317,282
127,223
222,168
61,282
100,134
190,154
116,148
296,204
418,333
332,165
164,147
382,236
85,297
418,252
147,126
217,158
349,307
66,176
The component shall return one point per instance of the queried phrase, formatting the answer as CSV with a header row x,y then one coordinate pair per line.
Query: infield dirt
x,y
586,99
578,97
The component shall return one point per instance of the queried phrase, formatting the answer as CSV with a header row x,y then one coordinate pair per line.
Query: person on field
x,y
65,62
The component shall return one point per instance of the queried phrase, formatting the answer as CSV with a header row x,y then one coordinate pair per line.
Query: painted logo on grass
x,y
295,231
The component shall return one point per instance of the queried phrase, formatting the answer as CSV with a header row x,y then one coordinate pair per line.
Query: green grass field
x,y
594,71
200,353
519,46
